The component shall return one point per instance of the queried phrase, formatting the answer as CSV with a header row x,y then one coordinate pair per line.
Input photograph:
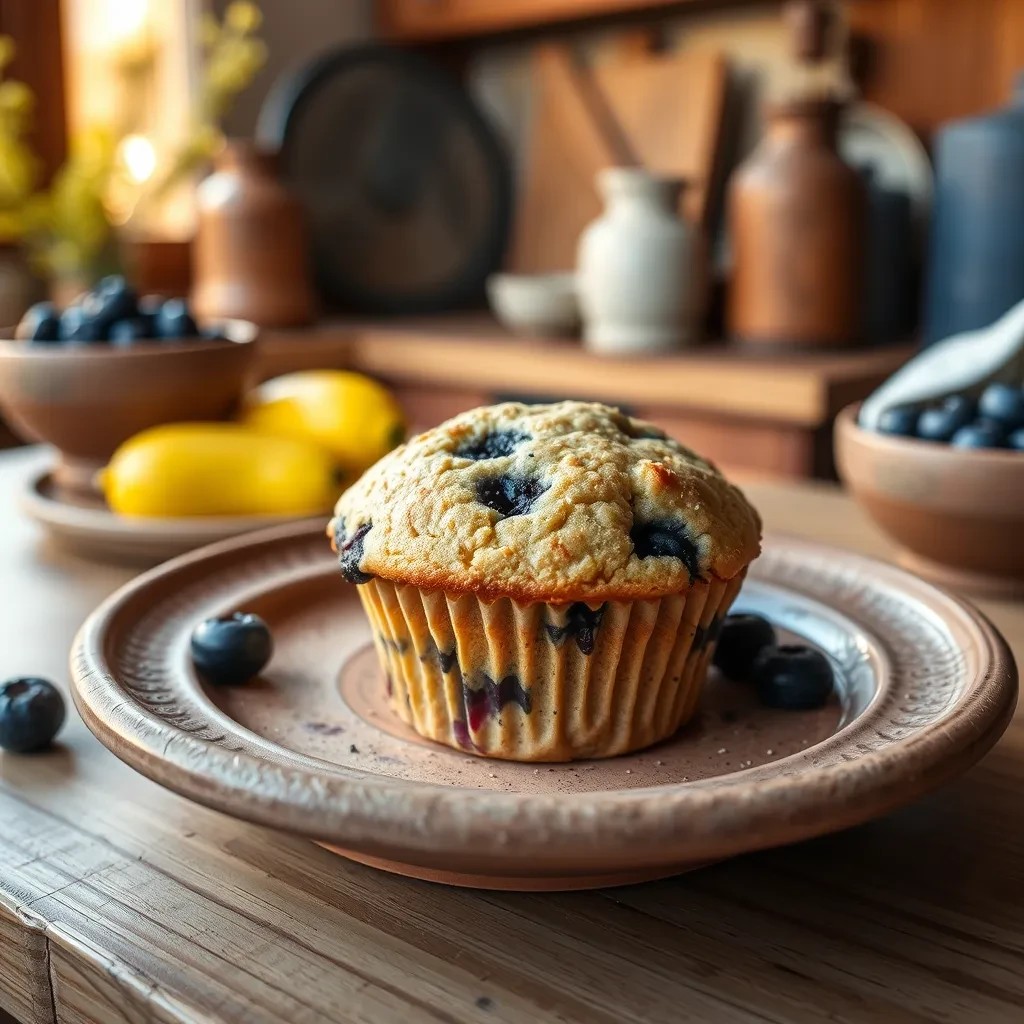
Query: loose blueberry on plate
x,y
173,321
741,639
793,677
979,434
1004,404
231,649
41,323
31,714
900,422
127,332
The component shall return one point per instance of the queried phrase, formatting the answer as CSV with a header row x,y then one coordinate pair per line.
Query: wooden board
x,y
150,909
565,150
670,110
660,112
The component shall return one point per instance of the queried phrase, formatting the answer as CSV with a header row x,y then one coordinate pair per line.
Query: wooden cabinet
x,y
927,61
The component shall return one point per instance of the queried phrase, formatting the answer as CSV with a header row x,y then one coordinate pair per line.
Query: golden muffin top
x,y
567,502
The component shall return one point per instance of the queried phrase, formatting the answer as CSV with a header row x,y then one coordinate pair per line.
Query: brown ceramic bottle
x,y
796,213
250,257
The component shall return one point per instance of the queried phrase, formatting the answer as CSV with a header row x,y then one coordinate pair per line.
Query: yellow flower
x,y
209,30
6,51
16,98
243,17
205,142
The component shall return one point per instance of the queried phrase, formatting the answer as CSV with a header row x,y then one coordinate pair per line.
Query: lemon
x,y
218,469
354,417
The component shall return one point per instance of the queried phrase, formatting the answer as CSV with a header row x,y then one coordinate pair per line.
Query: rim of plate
x,y
50,510
921,734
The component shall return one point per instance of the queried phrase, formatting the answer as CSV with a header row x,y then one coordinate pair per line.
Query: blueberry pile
x,y
789,676
31,714
995,420
110,314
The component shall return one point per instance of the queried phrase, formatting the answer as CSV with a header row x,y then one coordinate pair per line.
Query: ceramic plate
x,y
91,530
926,686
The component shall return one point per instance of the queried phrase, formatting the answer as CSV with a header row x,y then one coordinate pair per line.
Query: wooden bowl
x,y
957,514
87,400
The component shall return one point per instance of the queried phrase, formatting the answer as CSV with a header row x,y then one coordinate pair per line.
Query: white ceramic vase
x,y
637,267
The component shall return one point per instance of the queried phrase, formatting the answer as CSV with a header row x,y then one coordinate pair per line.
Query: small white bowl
x,y
544,304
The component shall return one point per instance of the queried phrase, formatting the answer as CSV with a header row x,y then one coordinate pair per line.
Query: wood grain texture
x,y
567,147
661,112
24,977
183,915
670,110
929,61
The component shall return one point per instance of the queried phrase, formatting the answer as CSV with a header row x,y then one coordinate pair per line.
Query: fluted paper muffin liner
x,y
545,682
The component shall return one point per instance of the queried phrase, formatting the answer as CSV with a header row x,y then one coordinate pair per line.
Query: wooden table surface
x,y
122,902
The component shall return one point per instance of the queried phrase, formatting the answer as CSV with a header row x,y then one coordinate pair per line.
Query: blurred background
x,y
732,218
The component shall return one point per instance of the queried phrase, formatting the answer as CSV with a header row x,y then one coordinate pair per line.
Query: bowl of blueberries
x,y
86,378
945,480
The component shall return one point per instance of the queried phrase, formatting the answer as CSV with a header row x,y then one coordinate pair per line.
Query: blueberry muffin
x,y
545,582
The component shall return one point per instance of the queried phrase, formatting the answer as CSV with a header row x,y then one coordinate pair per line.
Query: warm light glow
x,y
124,20
130,67
139,157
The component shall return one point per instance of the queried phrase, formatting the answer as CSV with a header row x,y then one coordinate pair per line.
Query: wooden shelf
x,y
421,21
473,353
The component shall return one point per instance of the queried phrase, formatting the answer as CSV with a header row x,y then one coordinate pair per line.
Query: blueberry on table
x,y
126,332
173,321
77,325
231,649
900,422
740,640
41,322
31,714
1016,441
1004,404
979,434
792,677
